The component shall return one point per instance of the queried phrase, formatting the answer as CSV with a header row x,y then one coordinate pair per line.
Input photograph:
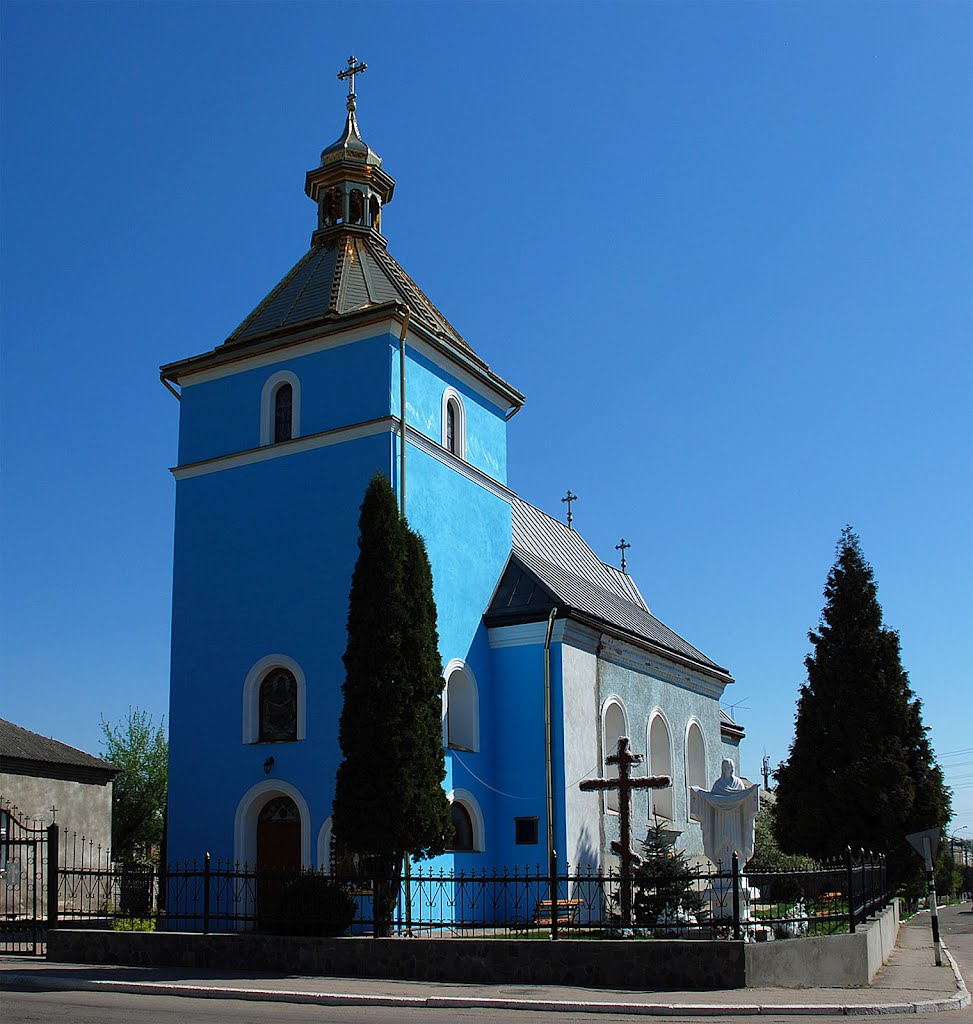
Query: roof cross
x,y
569,497
353,69
621,547
625,760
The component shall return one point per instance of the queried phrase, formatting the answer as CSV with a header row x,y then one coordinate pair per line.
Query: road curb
x,y
956,1002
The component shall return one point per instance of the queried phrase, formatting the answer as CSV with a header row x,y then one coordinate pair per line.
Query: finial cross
x,y
624,784
621,547
569,497
53,811
354,68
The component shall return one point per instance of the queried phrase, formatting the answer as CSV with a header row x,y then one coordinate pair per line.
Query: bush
x,y
313,905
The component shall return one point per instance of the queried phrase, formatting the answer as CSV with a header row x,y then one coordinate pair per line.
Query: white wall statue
x,y
727,813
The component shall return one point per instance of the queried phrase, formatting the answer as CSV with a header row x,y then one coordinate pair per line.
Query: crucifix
x,y
353,69
624,784
621,547
569,497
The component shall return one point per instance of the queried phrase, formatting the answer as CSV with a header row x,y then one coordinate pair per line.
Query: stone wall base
x,y
642,965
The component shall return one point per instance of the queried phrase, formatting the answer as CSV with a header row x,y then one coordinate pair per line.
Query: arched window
x,y
660,763
283,404
463,825
454,423
278,707
695,759
274,701
280,408
462,707
467,819
356,207
614,725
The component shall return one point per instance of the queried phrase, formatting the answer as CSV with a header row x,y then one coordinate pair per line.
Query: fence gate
x,y
26,851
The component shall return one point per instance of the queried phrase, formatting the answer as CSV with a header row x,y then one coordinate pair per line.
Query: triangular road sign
x,y
916,841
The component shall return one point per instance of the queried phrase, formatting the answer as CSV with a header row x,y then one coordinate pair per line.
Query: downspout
x,y
552,868
170,388
405,330
513,412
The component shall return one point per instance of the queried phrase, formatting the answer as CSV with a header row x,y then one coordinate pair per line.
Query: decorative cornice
x,y
437,451
281,449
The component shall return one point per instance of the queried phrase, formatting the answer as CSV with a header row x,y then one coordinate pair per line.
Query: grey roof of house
x,y
347,273
23,745
729,726
569,571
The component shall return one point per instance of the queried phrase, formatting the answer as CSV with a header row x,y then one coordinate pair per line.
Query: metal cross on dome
x,y
624,784
353,69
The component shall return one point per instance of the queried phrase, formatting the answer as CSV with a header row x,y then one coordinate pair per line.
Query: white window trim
x,y
702,735
468,800
451,394
458,665
651,768
609,701
248,811
268,401
251,695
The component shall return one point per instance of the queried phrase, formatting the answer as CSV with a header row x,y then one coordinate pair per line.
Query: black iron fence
x,y
523,902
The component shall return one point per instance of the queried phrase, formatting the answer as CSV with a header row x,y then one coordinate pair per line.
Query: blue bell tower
x,y
280,429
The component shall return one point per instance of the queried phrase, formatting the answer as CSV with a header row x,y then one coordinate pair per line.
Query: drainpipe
x,y
170,388
405,330
547,743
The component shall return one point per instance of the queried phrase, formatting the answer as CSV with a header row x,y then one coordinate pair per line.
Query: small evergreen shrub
x,y
313,905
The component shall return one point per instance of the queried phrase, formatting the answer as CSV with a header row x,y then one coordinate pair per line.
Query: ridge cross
x,y
569,497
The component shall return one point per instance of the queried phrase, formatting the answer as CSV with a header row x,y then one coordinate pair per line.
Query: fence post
x,y
53,884
850,882
552,888
866,895
206,878
736,896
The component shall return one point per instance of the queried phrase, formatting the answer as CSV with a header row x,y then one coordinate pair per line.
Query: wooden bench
x,y
567,913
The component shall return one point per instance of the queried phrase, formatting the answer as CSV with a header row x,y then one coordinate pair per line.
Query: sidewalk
x,y
909,983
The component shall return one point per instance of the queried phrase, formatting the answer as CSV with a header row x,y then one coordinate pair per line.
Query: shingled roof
x,y
551,564
22,745
348,274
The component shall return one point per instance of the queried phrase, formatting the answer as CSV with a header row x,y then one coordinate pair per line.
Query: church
x,y
344,368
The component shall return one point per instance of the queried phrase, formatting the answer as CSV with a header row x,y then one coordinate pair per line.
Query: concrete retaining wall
x,y
655,965
827,961
832,961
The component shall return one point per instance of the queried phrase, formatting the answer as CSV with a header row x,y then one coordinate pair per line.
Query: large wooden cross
x,y
624,784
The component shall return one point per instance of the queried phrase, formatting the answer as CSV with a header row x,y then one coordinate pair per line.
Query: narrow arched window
x,y
283,413
695,758
454,423
613,728
278,707
462,708
451,427
660,763
463,826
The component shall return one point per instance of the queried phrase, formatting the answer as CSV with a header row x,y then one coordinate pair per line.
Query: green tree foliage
x,y
389,801
665,884
140,751
860,771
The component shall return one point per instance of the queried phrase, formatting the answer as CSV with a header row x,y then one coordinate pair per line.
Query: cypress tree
x,y
389,801
860,771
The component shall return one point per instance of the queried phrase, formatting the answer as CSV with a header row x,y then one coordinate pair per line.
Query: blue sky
x,y
724,249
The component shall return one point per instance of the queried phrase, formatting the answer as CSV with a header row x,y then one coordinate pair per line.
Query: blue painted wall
x,y
486,429
339,386
263,562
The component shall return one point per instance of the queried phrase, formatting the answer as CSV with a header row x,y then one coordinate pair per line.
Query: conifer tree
x,y
389,801
860,771
665,884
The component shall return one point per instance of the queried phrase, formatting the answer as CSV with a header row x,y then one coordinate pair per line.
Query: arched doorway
x,y
278,860
279,835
